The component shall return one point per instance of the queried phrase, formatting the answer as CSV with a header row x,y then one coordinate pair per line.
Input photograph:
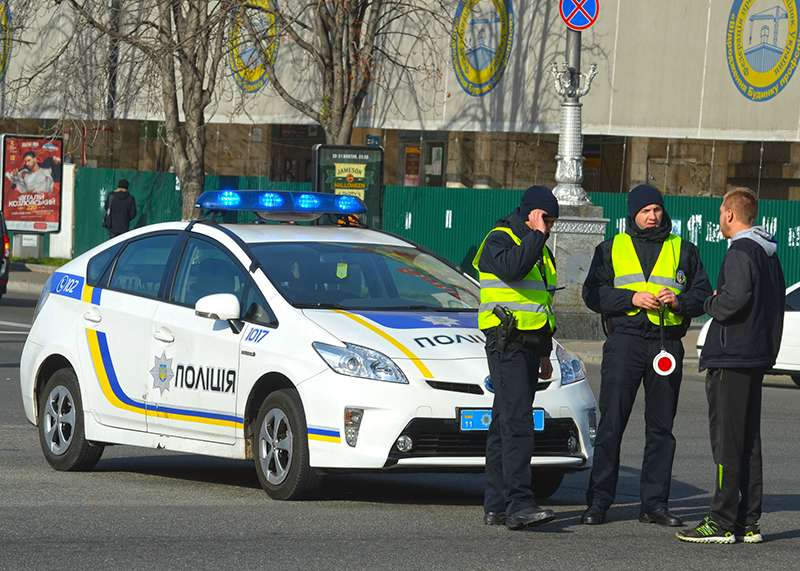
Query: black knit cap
x,y
123,183
538,197
641,196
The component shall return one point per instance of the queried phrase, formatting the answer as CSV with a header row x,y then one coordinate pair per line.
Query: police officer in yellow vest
x,y
638,279
518,277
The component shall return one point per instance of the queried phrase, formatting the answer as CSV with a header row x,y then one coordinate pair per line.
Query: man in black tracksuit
x,y
513,268
742,343
630,313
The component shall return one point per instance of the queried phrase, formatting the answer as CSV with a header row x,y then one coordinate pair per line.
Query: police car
x,y
307,348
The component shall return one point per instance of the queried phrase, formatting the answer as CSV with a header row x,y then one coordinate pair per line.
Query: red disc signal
x,y
664,364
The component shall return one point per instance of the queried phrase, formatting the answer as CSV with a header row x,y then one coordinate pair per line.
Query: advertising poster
x,y
353,170
31,191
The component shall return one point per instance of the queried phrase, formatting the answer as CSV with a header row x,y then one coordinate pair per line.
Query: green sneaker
x,y
707,531
750,534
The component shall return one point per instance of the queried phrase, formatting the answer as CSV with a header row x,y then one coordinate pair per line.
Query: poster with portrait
x,y
31,190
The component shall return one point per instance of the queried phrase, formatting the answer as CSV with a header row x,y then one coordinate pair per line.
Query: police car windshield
x,y
364,276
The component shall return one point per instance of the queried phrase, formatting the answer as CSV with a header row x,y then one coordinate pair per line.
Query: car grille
x,y
456,387
434,437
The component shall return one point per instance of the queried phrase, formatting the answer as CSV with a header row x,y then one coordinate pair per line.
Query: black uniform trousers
x,y
509,446
734,415
627,361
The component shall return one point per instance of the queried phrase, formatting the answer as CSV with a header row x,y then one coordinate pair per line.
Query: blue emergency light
x,y
281,204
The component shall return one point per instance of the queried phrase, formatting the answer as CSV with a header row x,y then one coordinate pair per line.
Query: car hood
x,y
429,336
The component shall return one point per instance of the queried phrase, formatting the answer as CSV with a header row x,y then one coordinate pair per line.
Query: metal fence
x,y
449,221
452,222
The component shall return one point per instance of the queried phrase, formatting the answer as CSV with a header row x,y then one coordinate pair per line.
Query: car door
x,y
117,328
194,361
789,355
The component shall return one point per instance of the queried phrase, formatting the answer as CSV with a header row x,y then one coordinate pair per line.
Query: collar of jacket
x,y
650,234
516,223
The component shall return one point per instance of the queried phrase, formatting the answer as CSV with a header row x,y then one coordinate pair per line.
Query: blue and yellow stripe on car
x,y
91,295
114,393
322,434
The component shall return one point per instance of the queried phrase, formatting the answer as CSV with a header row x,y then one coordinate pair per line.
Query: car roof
x,y
259,233
256,233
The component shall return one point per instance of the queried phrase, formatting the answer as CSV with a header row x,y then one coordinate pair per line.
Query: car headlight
x,y
356,361
572,369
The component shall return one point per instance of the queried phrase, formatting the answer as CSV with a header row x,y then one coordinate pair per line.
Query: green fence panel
x,y
452,222
156,201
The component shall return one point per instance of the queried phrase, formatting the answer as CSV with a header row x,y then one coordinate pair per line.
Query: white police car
x,y
305,348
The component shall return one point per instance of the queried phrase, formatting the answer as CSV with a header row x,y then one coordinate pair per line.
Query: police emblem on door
x,y
162,373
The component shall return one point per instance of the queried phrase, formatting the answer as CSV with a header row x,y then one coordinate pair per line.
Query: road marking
x,y
15,324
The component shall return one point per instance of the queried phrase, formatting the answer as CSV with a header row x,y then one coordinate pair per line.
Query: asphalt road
x,y
146,509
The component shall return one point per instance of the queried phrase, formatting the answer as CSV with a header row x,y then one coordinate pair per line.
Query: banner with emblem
x,y
684,68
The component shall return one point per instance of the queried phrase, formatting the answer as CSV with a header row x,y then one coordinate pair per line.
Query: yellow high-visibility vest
x,y
628,273
529,299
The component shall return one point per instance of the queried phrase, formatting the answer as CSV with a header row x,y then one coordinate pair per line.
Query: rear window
x,y
142,264
99,264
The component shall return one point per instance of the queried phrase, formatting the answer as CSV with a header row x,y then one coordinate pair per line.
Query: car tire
x,y
796,379
546,481
283,467
61,425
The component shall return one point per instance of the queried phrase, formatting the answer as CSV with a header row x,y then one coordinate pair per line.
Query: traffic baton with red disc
x,y
664,363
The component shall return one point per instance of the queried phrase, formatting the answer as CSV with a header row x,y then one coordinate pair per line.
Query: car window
x,y
99,264
206,269
364,276
140,267
793,301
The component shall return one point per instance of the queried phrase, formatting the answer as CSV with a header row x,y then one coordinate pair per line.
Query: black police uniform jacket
x,y
601,296
503,258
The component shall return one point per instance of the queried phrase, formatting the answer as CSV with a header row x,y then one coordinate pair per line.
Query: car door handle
x,y
163,335
93,315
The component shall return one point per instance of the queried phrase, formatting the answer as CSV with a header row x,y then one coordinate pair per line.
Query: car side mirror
x,y
219,306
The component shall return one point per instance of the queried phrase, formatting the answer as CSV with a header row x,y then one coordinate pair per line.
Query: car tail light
x,y
6,246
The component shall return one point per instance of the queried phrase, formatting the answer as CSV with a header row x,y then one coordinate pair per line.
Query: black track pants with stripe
x,y
734,414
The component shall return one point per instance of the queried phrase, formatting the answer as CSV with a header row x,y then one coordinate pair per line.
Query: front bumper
x,y
440,440
428,416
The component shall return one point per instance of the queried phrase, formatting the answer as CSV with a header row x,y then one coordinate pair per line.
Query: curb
x,y
28,278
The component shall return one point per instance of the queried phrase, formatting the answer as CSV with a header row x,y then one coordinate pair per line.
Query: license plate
x,y
477,419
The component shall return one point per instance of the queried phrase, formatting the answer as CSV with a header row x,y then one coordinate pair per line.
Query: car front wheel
x,y
281,447
61,428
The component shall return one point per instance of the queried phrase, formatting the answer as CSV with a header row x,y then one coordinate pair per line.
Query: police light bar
x,y
281,204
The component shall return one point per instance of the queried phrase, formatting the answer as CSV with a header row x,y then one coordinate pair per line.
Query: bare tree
x,y
181,46
351,45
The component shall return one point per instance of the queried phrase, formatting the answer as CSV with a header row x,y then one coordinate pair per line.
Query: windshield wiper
x,y
317,306
430,308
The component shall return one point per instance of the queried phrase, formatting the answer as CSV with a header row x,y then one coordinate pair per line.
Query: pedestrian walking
x,y
741,345
517,274
120,210
648,284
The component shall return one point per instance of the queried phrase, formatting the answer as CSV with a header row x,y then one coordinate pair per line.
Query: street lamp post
x,y
571,85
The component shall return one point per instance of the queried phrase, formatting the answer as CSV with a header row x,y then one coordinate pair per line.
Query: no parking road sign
x,y
579,14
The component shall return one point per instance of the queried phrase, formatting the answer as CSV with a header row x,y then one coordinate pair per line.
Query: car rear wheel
x,y
546,481
796,379
61,428
281,447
